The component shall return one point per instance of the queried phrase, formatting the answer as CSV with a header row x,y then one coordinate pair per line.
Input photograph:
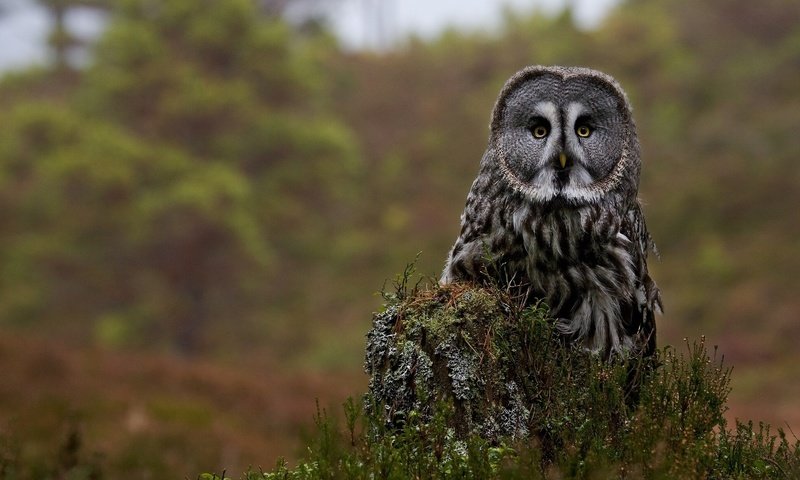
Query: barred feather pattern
x,y
588,262
554,210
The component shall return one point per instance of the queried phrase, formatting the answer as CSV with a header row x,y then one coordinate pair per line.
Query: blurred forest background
x,y
195,220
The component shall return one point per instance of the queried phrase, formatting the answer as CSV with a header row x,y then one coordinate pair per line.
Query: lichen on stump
x,y
492,359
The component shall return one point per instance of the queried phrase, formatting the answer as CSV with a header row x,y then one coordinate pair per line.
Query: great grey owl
x,y
554,209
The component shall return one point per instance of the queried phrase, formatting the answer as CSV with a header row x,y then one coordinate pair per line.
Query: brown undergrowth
x,y
75,414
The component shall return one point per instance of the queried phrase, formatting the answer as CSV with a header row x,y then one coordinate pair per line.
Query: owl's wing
x,y
639,312
638,319
483,224
640,232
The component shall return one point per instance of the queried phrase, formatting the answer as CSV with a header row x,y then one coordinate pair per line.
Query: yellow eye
x,y
583,131
540,131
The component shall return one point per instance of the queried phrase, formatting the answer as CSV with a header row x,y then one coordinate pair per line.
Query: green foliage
x,y
346,164
192,165
129,221
212,181
581,425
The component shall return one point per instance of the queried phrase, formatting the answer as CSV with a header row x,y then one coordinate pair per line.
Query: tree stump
x,y
495,363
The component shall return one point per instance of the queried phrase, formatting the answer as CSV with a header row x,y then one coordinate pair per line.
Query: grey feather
x,y
554,209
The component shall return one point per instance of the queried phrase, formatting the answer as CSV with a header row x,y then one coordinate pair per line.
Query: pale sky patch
x,y
24,27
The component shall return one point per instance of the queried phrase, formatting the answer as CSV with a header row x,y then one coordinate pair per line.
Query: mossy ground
x,y
469,382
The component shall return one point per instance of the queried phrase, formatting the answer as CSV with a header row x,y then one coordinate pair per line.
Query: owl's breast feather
x,y
574,252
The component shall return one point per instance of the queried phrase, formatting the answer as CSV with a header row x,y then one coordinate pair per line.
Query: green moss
x,y
481,349
468,382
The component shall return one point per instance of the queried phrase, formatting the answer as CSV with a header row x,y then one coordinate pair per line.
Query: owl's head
x,y
565,134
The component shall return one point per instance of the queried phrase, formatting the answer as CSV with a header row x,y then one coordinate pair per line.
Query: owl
x,y
554,209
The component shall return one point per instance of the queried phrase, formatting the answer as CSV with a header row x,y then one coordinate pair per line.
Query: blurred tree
x,y
61,40
193,167
234,90
109,229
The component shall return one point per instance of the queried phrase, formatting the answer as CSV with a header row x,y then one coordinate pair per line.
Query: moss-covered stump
x,y
451,344
469,382
496,364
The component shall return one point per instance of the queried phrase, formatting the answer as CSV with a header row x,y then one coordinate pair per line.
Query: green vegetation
x,y
570,416
192,221
499,365
189,187
166,185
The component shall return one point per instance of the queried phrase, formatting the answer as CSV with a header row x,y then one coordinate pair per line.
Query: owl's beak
x,y
562,159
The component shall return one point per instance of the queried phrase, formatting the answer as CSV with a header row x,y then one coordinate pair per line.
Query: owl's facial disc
x,y
560,137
